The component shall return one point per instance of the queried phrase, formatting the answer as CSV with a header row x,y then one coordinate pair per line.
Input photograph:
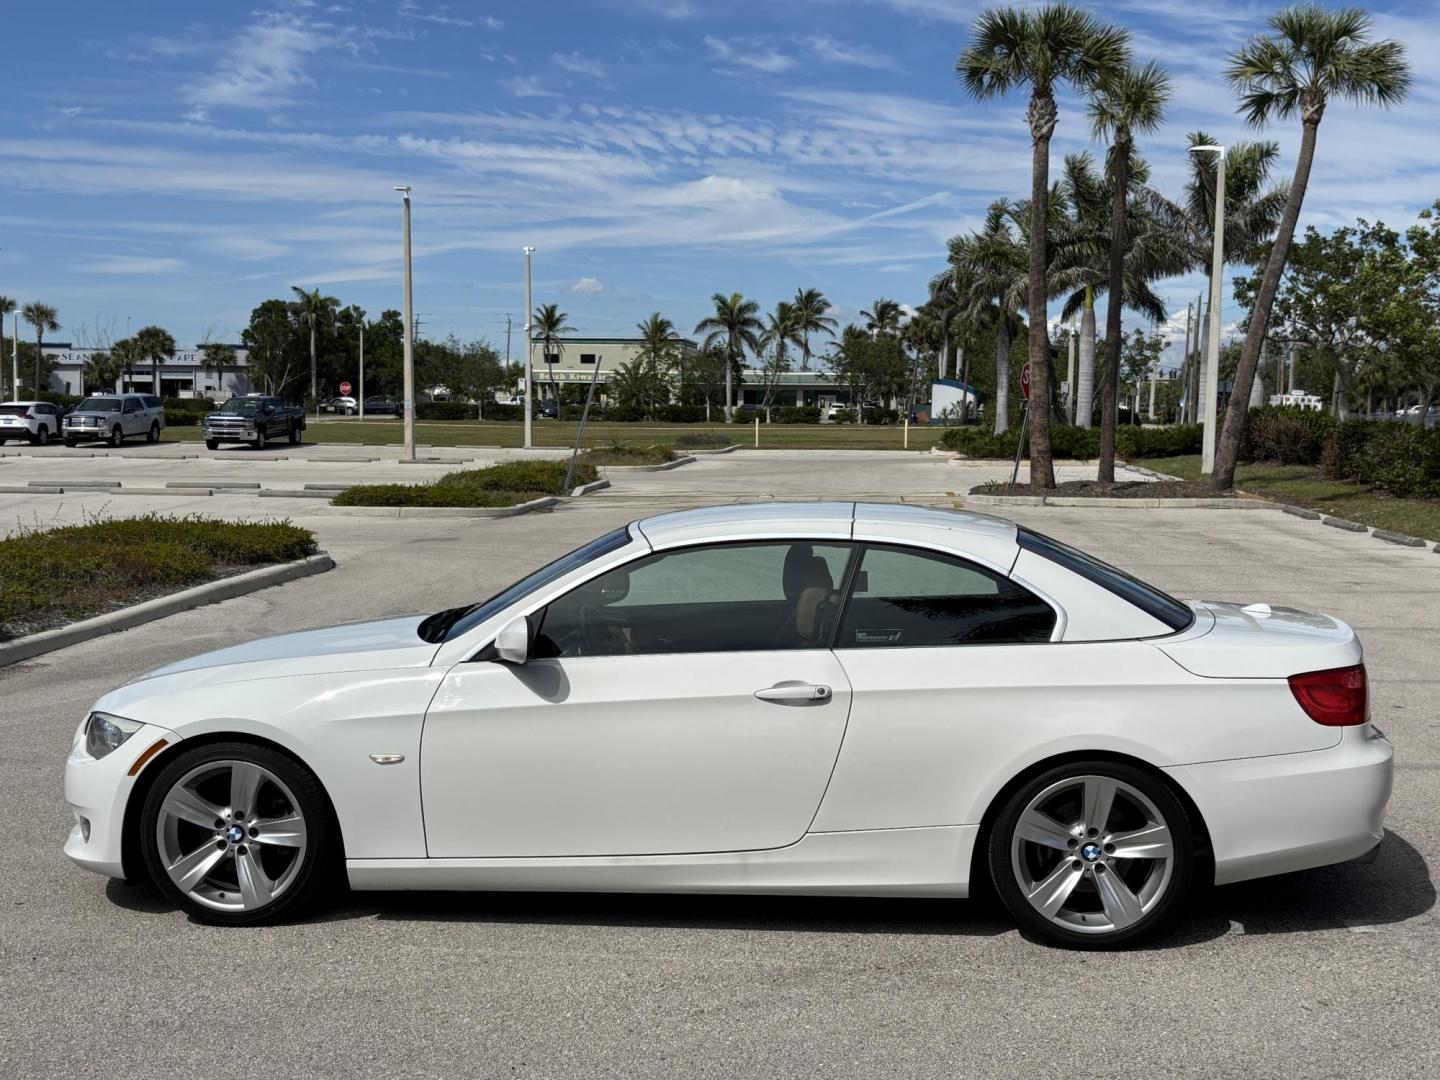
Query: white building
x,y
182,373
1298,399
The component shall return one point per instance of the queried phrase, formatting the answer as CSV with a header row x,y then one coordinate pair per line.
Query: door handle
x,y
795,693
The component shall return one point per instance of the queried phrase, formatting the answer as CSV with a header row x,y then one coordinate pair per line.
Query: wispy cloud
x,y
526,86
132,264
586,286
579,64
831,51
749,53
262,69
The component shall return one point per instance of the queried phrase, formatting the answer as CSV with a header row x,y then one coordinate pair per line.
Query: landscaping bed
x,y
703,441
627,455
509,484
50,577
1124,489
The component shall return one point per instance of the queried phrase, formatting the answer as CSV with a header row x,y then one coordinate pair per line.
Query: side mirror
x,y
512,644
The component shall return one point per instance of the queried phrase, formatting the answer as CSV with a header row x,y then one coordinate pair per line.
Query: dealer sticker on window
x,y
877,637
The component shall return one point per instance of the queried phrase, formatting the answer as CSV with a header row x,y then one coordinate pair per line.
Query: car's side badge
x,y
387,759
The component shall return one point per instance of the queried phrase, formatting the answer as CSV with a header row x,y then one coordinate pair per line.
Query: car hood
x,y
362,646
90,413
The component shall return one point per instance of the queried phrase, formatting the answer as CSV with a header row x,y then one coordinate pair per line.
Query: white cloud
x,y
586,286
263,68
526,86
831,51
750,53
578,64
132,264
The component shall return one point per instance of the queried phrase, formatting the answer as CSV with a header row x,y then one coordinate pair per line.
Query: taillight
x,y
29,414
1338,697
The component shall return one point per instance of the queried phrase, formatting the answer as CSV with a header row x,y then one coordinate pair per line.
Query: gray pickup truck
x,y
255,419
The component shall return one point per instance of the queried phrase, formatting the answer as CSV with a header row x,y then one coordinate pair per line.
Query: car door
x,y
130,416
685,702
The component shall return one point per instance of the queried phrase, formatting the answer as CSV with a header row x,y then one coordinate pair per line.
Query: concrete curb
x,y
1397,538
718,450
585,489
663,467
446,511
1341,523
26,489
254,484
294,493
212,592
1301,512
183,493
1218,503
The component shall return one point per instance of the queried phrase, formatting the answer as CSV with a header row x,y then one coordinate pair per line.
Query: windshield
x,y
240,404
452,622
99,404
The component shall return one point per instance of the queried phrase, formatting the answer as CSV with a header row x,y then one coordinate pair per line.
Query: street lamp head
x,y
527,250
404,190
1207,148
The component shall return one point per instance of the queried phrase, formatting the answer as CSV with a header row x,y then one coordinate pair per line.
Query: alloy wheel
x,y
1092,854
231,836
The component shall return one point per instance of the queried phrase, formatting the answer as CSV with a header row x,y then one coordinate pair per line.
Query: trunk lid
x,y
1260,641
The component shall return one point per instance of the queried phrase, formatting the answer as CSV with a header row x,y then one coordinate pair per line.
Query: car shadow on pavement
x,y
1396,887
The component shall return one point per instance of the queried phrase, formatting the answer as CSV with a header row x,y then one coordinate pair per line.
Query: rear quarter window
x,y
1174,614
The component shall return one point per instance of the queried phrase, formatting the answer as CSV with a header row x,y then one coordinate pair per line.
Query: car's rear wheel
x,y
154,433
42,436
295,436
236,834
1092,854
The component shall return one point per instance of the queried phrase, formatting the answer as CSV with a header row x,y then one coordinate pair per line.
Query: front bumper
x,y
1281,813
98,792
229,435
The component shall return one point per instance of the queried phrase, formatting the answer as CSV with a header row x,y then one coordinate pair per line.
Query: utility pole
x,y
1185,367
362,365
529,344
408,402
1211,392
1070,373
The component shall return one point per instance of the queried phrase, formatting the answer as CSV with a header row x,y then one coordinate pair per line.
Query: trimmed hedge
x,y
1077,443
1290,436
1141,442
57,575
507,484
444,410
1398,458
796,414
619,454
708,440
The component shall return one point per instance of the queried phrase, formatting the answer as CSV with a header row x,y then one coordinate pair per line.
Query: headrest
x,y
805,570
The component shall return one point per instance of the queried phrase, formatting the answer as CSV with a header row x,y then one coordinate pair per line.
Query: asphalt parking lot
x,y
1326,973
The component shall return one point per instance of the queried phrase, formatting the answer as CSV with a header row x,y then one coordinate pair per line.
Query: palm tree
x,y
314,309
154,343
658,352
782,330
1042,48
1314,55
736,324
811,317
994,262
100,372
1130,101
7,305
883,317
216,356
43,318
550,325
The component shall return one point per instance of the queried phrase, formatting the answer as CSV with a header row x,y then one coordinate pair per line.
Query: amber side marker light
x,y
147,755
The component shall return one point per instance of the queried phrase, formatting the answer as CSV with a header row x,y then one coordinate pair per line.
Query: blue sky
x,y
179,162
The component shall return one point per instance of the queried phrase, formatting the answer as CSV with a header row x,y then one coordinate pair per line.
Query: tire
x,y
259,438
295,435
242,879
41,436
71,443
212,444
117,437
1042,846
153,435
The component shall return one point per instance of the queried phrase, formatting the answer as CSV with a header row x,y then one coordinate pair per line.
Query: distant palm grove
x,y
1359,306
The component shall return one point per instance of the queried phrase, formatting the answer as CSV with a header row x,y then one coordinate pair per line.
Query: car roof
x,y
990,539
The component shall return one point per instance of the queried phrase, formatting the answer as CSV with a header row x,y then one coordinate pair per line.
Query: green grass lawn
x,y
1303,485
562,433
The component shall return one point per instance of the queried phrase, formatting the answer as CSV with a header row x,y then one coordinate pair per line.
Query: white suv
x,y
35,421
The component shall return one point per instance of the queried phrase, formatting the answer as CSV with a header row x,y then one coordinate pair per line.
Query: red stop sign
x,y
1025,382
345,389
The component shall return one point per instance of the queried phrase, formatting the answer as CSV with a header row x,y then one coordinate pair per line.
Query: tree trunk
x,y
3,368
1257,388
729,389
1042,117
1227,449
1115,301
1085,377
1002,375
39,342
314,390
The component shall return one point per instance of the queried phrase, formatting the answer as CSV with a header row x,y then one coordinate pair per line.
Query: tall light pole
x,y
362,365
408,402
1211,391
529,343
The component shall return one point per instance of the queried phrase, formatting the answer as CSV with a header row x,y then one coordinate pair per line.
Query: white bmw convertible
x,y
821,698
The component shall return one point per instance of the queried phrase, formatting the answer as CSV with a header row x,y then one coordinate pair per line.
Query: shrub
x,y
797,414
1290,436
701,441
619,454
444,410
438,493
876,415
51,576
681,414
1398,458
846,416
504,411
1067,441
543,476
1142,442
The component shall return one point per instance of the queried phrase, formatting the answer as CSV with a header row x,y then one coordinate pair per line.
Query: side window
x,y
722,598
151,402
903,597
130,405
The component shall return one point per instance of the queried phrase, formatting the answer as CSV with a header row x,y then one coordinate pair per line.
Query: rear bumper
x,y
1276,814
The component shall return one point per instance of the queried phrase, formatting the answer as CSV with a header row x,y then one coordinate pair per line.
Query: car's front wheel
x,y
117,436
236,833
1092,854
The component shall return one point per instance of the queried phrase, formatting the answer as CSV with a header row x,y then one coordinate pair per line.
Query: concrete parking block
x,y
1397,538
76,485
1302,512
173,492
1341,523
212,483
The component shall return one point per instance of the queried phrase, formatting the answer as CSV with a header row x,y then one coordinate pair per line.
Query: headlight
x,y
105,732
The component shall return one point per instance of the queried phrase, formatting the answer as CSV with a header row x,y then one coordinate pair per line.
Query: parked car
x,y
255,419
341,406
548,410
113,418
381,406
34,421
829,698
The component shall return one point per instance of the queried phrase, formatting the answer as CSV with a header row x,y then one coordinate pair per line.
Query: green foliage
x,y
1399,459
796,414
56,575
507,484
445,410
622,454
1290,436
1133,443
680,414
708,440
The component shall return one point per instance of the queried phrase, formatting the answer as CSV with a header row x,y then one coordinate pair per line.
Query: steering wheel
x,y
592,627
